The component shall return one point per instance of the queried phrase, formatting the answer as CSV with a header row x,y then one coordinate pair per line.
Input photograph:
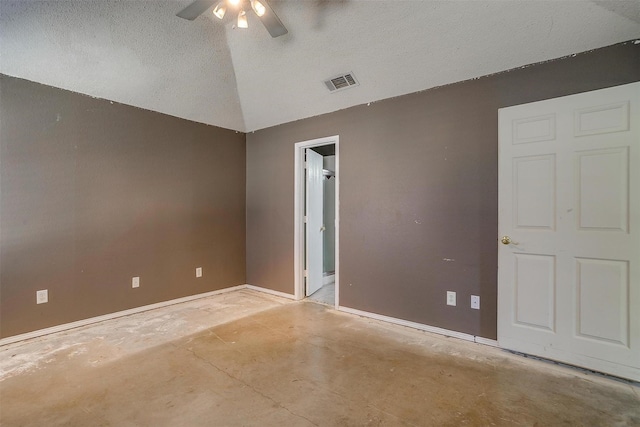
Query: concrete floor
x,y
250,359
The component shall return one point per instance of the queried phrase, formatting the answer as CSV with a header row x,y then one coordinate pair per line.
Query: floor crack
x,y
280,405
392,415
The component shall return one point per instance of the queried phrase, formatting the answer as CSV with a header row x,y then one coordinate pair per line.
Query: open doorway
x,y
316,220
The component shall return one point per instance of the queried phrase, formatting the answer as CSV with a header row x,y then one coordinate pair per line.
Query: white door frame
x,y
298,214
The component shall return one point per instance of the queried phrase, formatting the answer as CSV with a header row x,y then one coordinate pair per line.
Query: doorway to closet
x,y
316,220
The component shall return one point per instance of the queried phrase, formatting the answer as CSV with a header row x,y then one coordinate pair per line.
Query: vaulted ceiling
x,y
138,52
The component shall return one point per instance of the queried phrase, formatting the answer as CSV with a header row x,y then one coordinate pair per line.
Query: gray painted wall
x,y
93,193
418,190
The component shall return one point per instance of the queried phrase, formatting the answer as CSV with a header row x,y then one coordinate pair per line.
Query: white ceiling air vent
x,y
343,81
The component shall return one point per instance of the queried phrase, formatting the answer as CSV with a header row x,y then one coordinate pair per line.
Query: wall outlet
x,y
135,282
199,272
451,298
42,296
475,302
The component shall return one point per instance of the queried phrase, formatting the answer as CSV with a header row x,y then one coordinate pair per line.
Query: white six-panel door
x,y
569,212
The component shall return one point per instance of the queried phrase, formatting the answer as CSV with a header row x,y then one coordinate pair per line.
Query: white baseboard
x,y
89,321
270,291
110,316
420,326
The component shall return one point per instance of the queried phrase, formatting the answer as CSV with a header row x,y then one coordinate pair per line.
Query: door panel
x,y
603,193
534,192
534,129
602,119
535,291
569,198
315,219
603,287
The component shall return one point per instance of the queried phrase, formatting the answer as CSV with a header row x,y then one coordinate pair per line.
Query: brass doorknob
x,y
505,240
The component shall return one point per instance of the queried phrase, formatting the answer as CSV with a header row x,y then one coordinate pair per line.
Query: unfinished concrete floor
x,y
249,359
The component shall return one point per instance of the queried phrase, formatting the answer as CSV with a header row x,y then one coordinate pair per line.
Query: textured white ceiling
x,y
138,52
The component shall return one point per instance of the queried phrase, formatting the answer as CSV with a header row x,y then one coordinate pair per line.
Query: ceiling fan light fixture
x,y
263,11
220,10
258,7
242,20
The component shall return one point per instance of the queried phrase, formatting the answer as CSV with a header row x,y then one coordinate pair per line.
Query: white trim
x,y
336,254
298,214
420,326
110,316
271,292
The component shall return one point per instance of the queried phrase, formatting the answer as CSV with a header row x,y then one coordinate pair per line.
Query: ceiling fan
x,y
261,8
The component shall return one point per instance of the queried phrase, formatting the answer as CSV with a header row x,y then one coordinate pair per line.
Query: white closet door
x,y
569,201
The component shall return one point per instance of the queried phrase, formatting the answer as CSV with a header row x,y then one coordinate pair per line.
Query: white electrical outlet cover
x,y
199,272
135,282
451,298
475,302
42,296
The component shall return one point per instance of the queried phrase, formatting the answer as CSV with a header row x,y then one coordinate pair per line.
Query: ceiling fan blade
x,y
195,9
271,21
